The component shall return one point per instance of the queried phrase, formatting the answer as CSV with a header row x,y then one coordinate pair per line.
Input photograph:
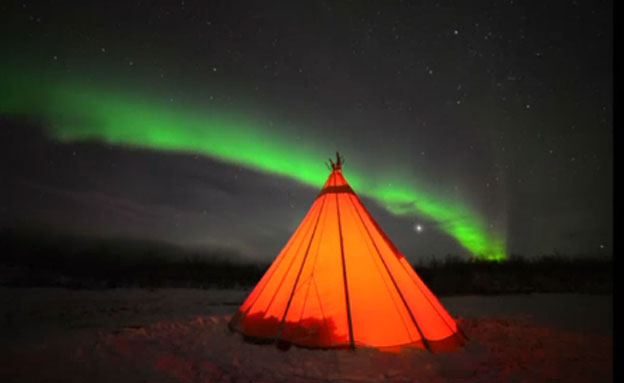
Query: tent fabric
x,y
340,282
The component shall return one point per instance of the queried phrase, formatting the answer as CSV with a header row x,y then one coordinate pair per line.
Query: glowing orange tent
x,y
340,282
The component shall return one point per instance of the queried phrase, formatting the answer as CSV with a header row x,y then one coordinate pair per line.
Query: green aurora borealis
x,y
73,110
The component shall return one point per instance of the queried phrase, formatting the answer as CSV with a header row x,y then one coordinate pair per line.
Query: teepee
x,y
340,282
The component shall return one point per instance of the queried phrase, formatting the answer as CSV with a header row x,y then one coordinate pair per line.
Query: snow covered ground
x,y
181,335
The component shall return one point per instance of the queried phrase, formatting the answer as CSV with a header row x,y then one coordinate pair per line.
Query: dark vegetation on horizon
x,y
30,260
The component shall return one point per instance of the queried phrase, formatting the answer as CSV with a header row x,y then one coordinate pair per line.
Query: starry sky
x,y
479,128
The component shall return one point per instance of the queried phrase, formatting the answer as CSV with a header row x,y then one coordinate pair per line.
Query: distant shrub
x,y
86,263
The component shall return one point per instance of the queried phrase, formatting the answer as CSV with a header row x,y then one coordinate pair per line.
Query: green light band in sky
x,y
74,111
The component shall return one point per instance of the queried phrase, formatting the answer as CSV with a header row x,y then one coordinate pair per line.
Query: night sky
x,y
474,128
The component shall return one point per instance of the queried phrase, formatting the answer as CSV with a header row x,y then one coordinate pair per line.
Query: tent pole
x,y
344,277
396,286
305,257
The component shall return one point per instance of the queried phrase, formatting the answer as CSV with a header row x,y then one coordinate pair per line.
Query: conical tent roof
x,y
340,282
